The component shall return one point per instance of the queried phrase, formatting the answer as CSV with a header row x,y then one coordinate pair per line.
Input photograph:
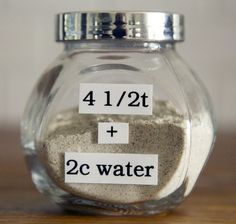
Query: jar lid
x,y
153,26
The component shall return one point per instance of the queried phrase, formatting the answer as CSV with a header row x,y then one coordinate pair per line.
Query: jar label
x,y
113,133
104,98
111,168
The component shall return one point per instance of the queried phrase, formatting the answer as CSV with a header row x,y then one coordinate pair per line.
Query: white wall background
x,y
27,46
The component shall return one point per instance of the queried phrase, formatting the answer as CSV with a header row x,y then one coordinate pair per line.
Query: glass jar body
x,y
184,131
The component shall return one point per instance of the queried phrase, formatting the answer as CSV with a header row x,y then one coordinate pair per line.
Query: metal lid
x,y
155,26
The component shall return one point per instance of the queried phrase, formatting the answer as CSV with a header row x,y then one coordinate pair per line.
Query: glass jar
x,y
118,124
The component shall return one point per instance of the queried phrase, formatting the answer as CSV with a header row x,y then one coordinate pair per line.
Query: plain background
x,y
27,46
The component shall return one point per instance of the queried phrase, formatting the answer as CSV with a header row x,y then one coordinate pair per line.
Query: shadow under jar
x,y
118,124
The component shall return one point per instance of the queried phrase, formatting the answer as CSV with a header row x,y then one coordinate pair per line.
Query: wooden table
x,y
212,201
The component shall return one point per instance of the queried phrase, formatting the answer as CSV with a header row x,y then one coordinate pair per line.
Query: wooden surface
x,y
212,201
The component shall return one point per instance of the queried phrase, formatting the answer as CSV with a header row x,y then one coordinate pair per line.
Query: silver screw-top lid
x,y
153,26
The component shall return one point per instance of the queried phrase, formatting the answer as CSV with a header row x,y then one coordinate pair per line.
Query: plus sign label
x,y
113,133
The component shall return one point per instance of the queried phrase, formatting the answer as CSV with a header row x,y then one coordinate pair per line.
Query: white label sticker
x,y
113,133
101,98
111,168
